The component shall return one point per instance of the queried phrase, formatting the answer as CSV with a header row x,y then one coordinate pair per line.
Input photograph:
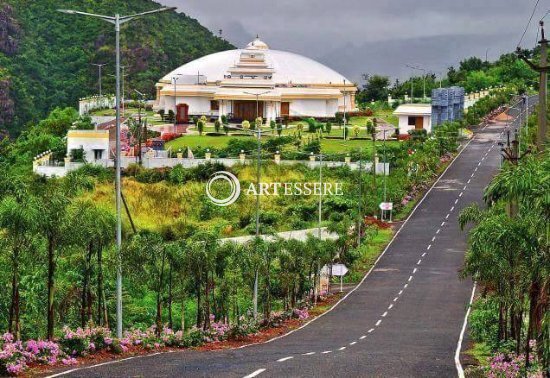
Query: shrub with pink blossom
x,y
300,313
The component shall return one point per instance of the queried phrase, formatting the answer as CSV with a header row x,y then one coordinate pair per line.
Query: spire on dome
x,y
257,44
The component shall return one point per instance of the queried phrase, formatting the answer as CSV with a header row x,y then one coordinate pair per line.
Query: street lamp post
x,y
423,79
258,132
174,80
99,68
117,20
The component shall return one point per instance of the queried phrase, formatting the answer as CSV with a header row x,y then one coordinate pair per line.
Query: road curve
x,y
404,320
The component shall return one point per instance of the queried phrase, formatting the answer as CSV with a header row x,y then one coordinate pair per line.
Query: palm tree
x,y
18,224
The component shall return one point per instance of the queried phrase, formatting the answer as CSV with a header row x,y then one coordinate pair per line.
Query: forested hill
x,y
45,55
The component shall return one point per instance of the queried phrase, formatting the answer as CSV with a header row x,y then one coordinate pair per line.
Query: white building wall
x,y
311,108
197,105
404,124
98,140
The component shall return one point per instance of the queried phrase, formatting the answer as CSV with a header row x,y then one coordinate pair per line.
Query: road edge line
x,y
375,262
458,365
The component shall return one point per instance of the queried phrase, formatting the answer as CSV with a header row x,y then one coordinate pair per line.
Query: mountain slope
x,y
45,55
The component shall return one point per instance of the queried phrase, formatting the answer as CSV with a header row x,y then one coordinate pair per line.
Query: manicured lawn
x,y
339,145
194,141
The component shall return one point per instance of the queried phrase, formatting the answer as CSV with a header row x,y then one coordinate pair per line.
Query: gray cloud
x,y
356,36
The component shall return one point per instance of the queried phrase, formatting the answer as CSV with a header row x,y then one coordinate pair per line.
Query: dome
x,y
257,44
288,67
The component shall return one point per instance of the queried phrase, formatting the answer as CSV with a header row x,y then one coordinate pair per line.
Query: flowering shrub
x,y
244,327
511,365
300,313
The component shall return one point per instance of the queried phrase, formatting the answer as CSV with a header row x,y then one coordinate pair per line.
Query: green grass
x,y
370,250
339,145
194,141
480,351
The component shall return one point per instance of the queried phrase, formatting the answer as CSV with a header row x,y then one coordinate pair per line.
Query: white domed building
x,y
230,83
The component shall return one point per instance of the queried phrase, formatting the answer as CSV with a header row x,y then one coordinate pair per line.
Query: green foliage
x,y
217,125
52,45
200,126
328,127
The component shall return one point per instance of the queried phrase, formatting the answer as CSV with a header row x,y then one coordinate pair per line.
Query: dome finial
x,y
257,44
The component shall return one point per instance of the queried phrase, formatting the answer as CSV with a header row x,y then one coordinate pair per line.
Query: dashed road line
x,y
362,337
424,254
342,348
353,343
308,354
410,278
285,359
429,245
378,322
370,330
390,306
255,373
418,262
414,270
384,314
326,352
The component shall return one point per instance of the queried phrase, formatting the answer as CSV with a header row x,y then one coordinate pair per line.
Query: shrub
x,y
356,130
204,119
279,129
217,126
179,175
224,120
273,125
311,125
171,115
200,126
328,127
245,124
258,122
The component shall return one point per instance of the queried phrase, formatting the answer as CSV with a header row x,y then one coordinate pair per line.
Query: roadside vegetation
x,y
183,285
508,256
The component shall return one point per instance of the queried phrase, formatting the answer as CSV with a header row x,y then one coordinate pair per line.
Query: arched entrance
x,y
182,113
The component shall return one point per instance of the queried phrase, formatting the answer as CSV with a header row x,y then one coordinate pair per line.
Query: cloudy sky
x,y
374,36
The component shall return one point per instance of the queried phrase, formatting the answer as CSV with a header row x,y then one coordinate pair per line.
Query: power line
x,y
529,22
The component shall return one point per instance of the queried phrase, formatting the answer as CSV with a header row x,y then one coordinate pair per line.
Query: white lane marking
x,y
478,164
384,314
461,193
433,239
308,354
465,186
342,348
390,306
377,260
353,343
428,247
362,337
458,365
101,364
285,359
254,374
400,292
414,270
370,330
418,262
475,170
473,174
410,278
378,322
424,254
395,299
326,351
452,209
456,201
438,231
469,180
442,224
447,216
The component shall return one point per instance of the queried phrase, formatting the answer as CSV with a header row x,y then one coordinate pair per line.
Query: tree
x,y
18,220
217,125
92,229
356,130
375,88
328,127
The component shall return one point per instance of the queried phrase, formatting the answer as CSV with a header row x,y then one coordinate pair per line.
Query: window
x,y
98,154
412,121
214,105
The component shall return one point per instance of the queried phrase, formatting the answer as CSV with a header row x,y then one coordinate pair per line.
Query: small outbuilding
x,y
414,117
94,143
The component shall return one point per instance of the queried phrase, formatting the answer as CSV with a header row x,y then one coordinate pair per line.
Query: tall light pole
x,y
99,68
258,132
423,78
175,80
258,174
117,20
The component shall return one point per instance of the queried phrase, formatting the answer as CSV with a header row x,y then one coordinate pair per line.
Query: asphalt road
x,y
404,320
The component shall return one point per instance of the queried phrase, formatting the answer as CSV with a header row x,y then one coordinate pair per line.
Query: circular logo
x,y
234,184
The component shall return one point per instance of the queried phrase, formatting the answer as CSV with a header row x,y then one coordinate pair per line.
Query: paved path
x,y
403,320
287,235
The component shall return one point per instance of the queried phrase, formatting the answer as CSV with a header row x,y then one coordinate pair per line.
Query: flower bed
x,y
17,356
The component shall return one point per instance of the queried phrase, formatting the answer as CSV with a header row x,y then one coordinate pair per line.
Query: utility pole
x,y
542,69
